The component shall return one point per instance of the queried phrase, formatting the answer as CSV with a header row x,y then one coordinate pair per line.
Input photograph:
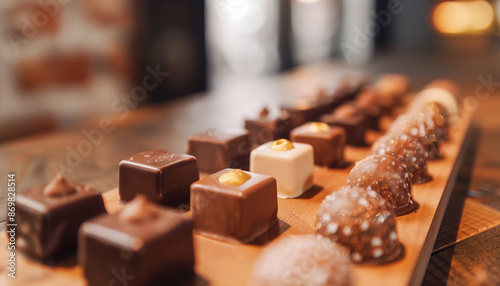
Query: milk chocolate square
x,y
217,149
354,123
143,244
328,142
238,212
163,177
267,128
48,218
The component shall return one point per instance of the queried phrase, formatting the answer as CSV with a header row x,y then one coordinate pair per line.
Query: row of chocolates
x,y
357,222
224,205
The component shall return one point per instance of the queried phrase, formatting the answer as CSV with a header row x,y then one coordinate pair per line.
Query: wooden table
x,y
468,235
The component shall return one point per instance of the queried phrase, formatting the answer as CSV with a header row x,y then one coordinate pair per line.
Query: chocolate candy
x,y
361,220
369,98
291,164
328,142
143,244
427,123
163,177
266,128
234,205
354,123
386,176
444,95
217,149
409,151
302,260
48,218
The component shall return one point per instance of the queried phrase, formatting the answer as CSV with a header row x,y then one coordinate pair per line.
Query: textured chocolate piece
x,y
409,151
155,249
354,123
302,260
234,212
361,220
48,221
163,177
386,176
328,145
266,128
217,149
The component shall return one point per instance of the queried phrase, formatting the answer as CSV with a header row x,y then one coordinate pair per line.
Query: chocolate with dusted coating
x,y
267,128
354,123
328,144
48,217
409,151
163,177
386,176
217,149
361,220
302,260
234,212
143,244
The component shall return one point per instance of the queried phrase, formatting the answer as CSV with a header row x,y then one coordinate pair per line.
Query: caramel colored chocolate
x,y
234,212
217,149
163,177
48,218
328,145
354,123
156,249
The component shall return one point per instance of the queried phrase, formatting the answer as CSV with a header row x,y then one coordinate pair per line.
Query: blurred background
x,y
66,62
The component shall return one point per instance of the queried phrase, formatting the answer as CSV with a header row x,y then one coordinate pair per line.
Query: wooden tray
x,y
220,263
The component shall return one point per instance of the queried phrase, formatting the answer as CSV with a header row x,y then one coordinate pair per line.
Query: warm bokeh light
x,y
463,17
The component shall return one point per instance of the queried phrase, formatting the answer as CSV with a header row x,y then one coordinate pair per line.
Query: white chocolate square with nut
x,y
292,165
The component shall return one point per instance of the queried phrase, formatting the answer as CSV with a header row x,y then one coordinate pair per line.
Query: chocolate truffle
x,y
443,96
427,124
143,244
354,123
328,142
292,164
267,128
386,176
48,217
234,205
217,149
163,177
409,151
361,220
302,260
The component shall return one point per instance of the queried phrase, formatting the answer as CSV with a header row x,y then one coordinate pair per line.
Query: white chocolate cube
x,y
293,169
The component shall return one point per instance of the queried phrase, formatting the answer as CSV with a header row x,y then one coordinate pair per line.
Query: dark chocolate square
x,y
354,123
217,149
154,251
328,145
163,177
266,129
47,226
234,212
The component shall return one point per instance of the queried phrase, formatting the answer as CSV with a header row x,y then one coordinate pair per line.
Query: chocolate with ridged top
x,y
386,176
361,220
48,218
